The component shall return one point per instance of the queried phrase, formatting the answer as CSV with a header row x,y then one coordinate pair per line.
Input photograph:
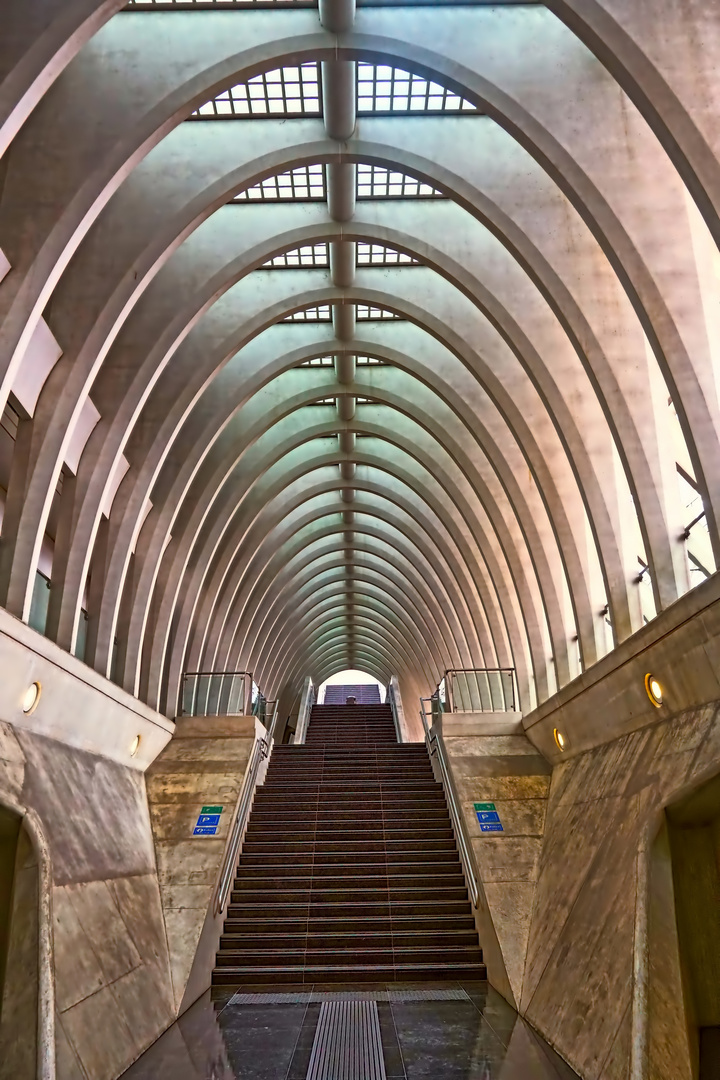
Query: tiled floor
x,y
479,1038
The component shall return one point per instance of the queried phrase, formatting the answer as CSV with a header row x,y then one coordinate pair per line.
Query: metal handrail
x,y
217,693
261,750
435,747
482,689
307,700
390,699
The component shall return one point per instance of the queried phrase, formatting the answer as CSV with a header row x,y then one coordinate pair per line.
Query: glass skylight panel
x,y
378,255
287,91
305,182
366,361
310,255
383,89
368,311
321,313
319,361
376,183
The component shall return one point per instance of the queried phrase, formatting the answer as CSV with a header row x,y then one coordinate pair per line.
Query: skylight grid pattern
x,y
369,311
384,89
305,182
366,361
320,313
318,361
378,255
287,91
310,255
374,182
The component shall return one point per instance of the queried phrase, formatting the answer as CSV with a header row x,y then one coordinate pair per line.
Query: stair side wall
x,y
203,765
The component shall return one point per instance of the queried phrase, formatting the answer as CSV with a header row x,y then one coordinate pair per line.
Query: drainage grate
x,y
306,997
427,995
348,1044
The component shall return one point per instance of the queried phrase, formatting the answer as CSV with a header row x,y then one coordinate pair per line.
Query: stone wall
x,y
492,761
69,771
111,965
203,765
605,807
580,906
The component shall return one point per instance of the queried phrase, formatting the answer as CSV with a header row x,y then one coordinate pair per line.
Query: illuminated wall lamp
x,y
654,690
135,746
31,697
560,740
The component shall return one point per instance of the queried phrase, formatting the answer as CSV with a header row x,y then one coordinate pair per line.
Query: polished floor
x,y
477,1036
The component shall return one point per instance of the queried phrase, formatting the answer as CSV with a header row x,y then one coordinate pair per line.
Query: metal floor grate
x,y
348,1044
310,997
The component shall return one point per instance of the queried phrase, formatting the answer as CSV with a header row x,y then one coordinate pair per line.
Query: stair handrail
x,y
261,750
307,700
391,701
435,747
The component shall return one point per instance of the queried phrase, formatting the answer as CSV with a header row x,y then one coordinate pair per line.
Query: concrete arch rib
x,y
578,578
203,556
615,35
36,45
309,640
391,642
330,555
381,521
163,529
84,537
432,529
383,574
365,537
391,616
587,486
424,489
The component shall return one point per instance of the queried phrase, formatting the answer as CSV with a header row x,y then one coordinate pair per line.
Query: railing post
x,y
307,700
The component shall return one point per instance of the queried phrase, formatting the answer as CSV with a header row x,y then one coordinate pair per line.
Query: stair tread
x,y
349,857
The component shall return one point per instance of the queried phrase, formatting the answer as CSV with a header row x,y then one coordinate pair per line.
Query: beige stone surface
x,y
12,762
204,764
578,988
507,770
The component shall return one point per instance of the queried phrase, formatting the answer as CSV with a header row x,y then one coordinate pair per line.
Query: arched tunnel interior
x,y
378,336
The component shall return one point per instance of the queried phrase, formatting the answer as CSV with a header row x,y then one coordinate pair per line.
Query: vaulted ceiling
x,y
383,338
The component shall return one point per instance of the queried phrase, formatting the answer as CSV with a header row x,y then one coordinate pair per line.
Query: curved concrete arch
x,y
524,412
85,540
164,503
326,549
203,557
372,521
267,624
325,612
444,588
265,495
387,609
434,524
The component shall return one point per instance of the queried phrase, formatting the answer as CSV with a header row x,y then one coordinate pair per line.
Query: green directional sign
x,y
483,807
211,810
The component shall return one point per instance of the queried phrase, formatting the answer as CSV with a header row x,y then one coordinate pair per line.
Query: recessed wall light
x,y
31,698
135,746
560,740
654,690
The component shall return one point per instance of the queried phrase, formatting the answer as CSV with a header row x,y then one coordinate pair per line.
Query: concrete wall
x,y
67,769
492,760
607,974
204,764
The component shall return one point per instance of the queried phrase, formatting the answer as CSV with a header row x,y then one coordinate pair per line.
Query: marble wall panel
x,y
579,975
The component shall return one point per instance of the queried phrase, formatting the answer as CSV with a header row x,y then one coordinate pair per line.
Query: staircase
x,y
349,869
